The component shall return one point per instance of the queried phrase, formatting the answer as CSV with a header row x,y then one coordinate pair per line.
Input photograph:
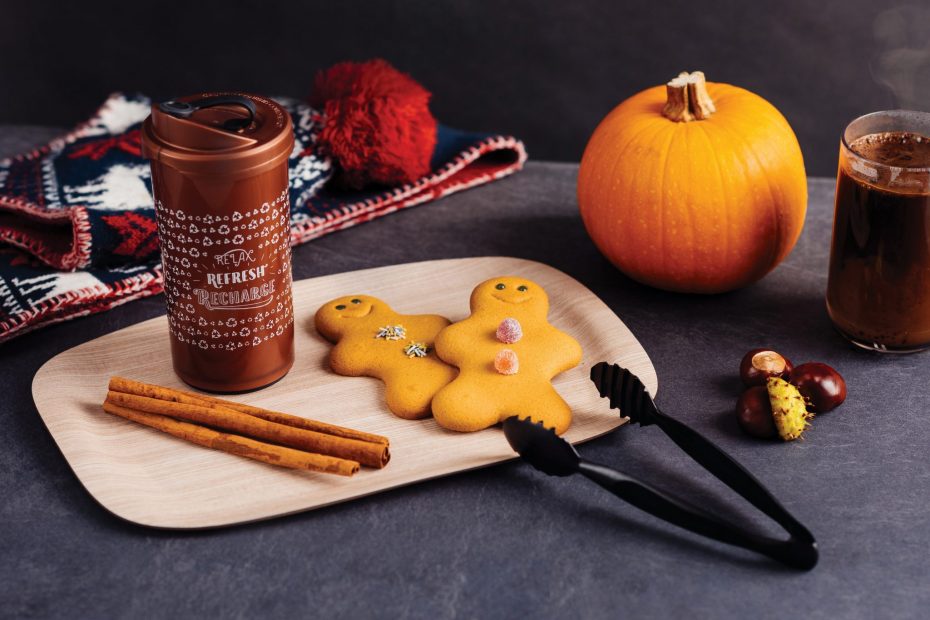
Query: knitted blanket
x,y
77,222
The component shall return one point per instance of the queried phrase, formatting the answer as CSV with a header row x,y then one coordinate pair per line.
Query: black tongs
x,y
551,454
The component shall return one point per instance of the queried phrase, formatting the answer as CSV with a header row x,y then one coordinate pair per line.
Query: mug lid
x,y
228,133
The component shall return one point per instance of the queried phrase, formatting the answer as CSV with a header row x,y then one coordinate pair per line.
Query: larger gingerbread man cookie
x,y
507,354
374,341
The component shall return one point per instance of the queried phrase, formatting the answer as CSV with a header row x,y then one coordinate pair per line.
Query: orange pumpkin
x,y
693,187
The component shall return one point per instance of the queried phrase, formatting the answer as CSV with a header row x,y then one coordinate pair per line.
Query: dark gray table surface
x,y
507,541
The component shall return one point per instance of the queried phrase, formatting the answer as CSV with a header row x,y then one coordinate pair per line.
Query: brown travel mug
x,y
219,178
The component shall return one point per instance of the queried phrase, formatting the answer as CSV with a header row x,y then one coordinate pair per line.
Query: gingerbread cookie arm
x,y
450,341
465,406
344,360
566,352
546,407
432,324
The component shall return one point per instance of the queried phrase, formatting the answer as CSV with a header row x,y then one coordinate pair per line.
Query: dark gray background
x,y
544,71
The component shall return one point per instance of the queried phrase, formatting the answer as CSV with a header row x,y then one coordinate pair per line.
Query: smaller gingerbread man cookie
x,y
374,341
507,354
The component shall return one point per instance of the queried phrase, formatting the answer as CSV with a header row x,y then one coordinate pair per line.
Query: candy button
x,y
509,331
506,362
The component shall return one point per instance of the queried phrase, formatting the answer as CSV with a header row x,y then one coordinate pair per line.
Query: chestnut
x,y
760,364
821,386
754,413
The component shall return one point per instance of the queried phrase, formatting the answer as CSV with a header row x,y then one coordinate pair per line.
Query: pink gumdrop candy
x,y
506,362
509,331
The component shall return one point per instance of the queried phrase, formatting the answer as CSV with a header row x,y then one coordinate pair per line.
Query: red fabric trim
x,y
78,255
81,302
74,219
461,173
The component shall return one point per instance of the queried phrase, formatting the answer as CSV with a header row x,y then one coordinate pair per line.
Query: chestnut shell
x,y
821,385
760,364
754,413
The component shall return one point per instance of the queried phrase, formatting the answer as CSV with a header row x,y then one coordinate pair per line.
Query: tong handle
x,y
628,394
732,474
792,552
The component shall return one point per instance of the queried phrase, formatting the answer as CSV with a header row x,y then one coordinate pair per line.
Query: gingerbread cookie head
x,y
337,316
510,296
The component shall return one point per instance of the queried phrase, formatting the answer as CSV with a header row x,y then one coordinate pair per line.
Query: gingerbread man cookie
x,y
507,354
374,341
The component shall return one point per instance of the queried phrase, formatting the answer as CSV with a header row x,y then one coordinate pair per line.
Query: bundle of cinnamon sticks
x,y
268,436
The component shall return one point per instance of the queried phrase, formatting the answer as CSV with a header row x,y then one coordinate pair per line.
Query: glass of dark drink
x,y
878,295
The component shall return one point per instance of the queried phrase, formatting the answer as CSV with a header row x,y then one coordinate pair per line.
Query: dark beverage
x,y
879,288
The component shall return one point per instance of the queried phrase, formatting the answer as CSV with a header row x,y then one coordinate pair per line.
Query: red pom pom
x,y
378,125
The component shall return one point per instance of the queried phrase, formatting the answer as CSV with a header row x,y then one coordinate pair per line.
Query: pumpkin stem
x,y
687,98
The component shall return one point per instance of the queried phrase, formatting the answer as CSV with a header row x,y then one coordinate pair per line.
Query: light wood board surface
x,y
153,479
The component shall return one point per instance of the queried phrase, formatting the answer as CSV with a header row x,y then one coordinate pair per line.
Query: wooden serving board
x,y
154,479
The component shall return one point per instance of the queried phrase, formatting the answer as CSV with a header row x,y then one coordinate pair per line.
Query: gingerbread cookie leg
x,y
464,406
409,395
549,409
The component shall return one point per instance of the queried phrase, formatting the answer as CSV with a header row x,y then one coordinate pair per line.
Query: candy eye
x,y
500,286
356,301
341,307
522,288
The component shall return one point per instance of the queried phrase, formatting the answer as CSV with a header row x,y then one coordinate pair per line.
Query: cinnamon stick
x,y
366,453
234,444
299,422
129,386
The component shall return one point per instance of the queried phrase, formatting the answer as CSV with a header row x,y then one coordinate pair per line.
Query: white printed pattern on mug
x,y
192,243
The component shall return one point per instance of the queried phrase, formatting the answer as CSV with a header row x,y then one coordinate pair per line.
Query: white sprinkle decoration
x,y
416,349
392,332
